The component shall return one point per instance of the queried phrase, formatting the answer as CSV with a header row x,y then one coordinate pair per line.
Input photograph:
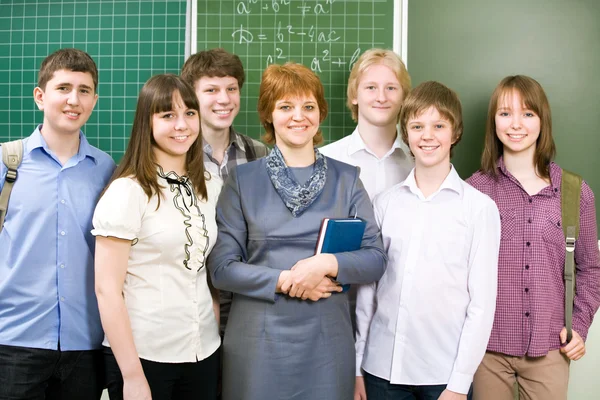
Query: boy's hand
x,y
575,349
450,395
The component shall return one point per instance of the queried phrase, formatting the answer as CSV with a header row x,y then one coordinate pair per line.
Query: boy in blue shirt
x,y
50,332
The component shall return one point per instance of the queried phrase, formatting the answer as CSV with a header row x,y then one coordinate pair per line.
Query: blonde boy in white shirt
x,y
377,85
423,333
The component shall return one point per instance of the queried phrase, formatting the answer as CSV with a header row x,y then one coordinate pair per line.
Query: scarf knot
x,y
296,197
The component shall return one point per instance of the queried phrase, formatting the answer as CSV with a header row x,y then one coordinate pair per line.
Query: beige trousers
x,y
538,378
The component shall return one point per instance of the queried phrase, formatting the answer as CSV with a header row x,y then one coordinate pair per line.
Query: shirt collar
x,y
36,140
452,183
234,139
357,143
555,176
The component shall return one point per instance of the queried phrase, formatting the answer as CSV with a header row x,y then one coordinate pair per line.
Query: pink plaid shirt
x,y
531,291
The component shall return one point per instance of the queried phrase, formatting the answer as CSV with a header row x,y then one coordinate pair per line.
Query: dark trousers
x,y
381,389
38,374
169,381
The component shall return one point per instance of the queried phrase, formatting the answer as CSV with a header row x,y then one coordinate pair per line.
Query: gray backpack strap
x,y
12,154
570,191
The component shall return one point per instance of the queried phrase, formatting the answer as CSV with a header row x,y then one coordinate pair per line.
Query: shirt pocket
x,y
552,229
452,247
508,223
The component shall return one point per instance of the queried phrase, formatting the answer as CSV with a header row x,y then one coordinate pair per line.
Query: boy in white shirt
x,y
423,333
377,85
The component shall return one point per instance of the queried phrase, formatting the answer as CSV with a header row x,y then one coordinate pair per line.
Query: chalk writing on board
x,y
283,34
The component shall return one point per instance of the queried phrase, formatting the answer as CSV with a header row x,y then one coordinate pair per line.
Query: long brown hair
x,y
157,96
534,98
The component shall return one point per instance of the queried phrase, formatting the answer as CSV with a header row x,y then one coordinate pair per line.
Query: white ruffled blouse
x,y
166,290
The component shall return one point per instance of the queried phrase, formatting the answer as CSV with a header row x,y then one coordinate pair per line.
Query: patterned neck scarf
x,y
297,198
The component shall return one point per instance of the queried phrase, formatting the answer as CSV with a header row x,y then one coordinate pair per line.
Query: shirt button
x,y
526,290
62,298
62,265
62,201
527,267
528,244
62,233
530,200
529,220
527,314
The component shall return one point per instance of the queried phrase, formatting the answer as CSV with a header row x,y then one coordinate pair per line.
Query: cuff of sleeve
x,y
116,234
359,371
460,383
342,259
580,328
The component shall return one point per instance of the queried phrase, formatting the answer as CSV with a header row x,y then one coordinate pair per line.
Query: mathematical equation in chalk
x,y
245,35
302,7
282,35
315,65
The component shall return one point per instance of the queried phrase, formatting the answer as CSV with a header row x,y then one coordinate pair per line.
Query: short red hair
x,y
285,81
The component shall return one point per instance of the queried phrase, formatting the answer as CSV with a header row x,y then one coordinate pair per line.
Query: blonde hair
x,y
375,57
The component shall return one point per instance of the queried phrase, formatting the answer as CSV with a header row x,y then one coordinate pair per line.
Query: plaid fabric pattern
x,y
531,291
235,154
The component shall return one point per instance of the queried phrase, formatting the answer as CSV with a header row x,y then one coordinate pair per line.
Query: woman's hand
x,y
308,273
324,290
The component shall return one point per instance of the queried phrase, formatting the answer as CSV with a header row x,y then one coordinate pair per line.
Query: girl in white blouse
x,y
154,227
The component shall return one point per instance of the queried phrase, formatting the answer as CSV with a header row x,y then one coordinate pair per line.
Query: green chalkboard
x,y
326,35
129,40
476,43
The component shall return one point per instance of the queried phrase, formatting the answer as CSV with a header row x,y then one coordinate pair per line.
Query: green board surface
x,y
476,43
325,35
129,40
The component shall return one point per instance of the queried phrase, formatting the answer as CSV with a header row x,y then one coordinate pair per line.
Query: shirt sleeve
x,y
587,281
365,304
120,210
367,264
482,286
227,261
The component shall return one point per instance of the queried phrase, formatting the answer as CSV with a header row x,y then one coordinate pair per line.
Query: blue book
x,y
340,234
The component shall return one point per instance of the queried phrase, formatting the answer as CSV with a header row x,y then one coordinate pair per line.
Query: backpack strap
x,y
12,154
570,196
249,147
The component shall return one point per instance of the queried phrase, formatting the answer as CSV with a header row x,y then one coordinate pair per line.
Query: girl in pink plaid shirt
x,y
528,340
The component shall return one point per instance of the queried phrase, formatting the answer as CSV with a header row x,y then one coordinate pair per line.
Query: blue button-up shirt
x,y
47,251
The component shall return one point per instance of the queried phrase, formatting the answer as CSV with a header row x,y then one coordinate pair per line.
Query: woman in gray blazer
x,y
289,334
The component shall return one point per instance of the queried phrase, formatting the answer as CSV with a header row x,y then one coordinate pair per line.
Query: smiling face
x,y
219,99
430,138
378,97
517,127
296,122
174,131
67,101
